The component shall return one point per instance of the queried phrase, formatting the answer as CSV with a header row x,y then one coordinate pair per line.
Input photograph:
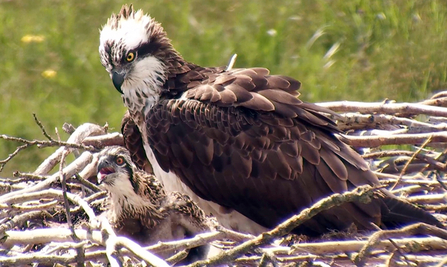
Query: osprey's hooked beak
x,y
104,169
118,79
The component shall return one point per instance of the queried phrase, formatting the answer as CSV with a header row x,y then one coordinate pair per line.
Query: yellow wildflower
x,y
29,38
49,73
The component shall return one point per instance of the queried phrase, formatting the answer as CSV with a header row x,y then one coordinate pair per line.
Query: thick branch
x,y
410,230
400,139
406,109
356,121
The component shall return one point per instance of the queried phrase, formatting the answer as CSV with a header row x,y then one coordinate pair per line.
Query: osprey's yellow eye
x,y
130,56
119,160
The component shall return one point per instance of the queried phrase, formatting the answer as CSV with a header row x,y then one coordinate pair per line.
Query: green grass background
x,y
354,50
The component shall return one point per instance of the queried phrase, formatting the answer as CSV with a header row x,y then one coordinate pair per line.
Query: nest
x,y
54,219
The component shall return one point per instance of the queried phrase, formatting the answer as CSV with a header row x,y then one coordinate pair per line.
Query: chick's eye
x,y
119,160
130,56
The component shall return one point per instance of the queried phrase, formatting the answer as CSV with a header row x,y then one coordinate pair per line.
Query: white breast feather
x,y
123,198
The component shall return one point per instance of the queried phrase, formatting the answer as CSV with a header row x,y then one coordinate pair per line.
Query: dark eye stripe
x,y
148,48
132,178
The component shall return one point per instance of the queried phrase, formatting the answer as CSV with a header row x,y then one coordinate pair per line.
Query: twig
x,y
436,100
409,161
68,128
266,258
401,139
24,260
391,259
96,199
391,153
100,141
233,235
438,208
357,121
29,176
44,132
231,62
429,199
44,206
419,228
177,257
95,196
411,180
47,235
87,184
65,260
406,109
64,195
348,246
80,250
442,263
12,155
58,247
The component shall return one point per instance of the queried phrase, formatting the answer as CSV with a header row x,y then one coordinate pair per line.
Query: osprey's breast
x,y
228,218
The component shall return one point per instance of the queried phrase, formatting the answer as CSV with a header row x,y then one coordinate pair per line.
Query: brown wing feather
x,y
236,178
134,143
264,162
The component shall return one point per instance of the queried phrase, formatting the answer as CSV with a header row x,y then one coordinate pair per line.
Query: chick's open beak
x,y
104,169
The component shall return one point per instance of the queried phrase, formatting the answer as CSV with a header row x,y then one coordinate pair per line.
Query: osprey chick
x,y
139,207
238,141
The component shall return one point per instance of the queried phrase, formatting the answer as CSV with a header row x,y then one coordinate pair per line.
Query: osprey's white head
x,y
135,51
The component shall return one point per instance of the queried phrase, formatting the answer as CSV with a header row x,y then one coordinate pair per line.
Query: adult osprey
x,y
140,208
239,142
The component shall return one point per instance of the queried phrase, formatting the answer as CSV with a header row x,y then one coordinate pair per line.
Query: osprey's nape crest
x,y
238,141
125,12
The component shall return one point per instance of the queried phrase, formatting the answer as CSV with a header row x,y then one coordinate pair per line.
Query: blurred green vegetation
x,y
354,50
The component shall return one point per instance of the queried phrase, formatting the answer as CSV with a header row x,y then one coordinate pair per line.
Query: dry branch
x,y
356,121
320,248
412,230
401,139
78,136
386,107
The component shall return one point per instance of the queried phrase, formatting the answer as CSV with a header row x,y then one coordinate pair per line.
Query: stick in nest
x,y
411,230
